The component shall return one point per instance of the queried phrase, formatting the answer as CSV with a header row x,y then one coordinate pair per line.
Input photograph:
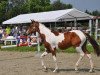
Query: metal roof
x,y
50,16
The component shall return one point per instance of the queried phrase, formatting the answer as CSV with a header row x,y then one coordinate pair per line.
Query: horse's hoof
x,y
55,71
77,71
91,70
76,68
45,69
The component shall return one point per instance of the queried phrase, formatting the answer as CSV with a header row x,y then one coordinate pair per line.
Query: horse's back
x,y
79,33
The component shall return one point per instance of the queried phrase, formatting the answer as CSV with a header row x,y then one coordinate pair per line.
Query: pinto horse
x,y
54,40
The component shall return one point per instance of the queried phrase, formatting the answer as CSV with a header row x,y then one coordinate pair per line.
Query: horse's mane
x,y
47,30
44,29
55,32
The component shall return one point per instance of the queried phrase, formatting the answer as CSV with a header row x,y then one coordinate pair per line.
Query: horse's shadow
x,y
97,69
72,69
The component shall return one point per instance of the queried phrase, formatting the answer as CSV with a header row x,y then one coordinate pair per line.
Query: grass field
x,y
27,49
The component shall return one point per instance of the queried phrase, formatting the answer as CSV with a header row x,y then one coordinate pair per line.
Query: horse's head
x,y
33,28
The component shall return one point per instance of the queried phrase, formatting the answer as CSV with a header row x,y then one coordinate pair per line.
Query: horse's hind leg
x,y
91,62
79,49
89,56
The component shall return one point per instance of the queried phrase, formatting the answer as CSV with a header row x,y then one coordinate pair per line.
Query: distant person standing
x,y
1,32
8,30
16,32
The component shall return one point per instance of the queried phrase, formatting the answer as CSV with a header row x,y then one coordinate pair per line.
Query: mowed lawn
x,y
27,49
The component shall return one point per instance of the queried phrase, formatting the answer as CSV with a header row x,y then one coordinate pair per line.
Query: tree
x,y
58,5
69,6
96,13
3,5
45,4
38,5
17,2
3,0
88,12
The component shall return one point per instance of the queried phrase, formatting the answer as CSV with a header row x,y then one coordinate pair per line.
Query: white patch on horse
x,y
59,38
50,37
81,36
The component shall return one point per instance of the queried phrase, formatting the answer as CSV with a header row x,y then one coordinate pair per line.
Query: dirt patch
x,y
26,63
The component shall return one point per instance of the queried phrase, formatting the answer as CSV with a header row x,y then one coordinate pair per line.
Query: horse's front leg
x,y
55,59
56,65
42,60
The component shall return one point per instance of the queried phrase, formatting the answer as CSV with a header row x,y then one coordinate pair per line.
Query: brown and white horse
x,y
54,40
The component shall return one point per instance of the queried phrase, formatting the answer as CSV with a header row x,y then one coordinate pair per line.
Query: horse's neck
x,y
45,30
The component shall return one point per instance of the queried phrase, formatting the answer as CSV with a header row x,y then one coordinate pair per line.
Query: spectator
x,y
4,34
1,32
12,31
8,30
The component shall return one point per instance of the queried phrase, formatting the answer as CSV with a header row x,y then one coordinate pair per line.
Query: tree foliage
x,y
94,13
11,8
3,5
58,5
38,5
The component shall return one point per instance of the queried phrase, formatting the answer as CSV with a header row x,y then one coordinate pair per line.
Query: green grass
x,y
27,49
73,50
21,49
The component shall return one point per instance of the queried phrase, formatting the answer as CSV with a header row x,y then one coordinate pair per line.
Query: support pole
x,y
90,26
65,25
50,25
55,24
96,29
75,23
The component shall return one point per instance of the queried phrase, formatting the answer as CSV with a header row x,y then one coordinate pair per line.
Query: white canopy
x,y
50,16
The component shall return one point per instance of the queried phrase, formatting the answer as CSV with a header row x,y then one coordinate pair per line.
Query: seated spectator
x,y
1,32
4,35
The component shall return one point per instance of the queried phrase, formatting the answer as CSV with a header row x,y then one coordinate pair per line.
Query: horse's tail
x,y
94,44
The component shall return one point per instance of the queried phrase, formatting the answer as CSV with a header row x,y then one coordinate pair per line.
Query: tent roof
x,y
50,16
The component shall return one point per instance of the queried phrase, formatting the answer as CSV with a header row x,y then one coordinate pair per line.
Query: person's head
x,y
0,27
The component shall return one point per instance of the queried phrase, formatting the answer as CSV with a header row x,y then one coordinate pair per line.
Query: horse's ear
x,y
32,21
